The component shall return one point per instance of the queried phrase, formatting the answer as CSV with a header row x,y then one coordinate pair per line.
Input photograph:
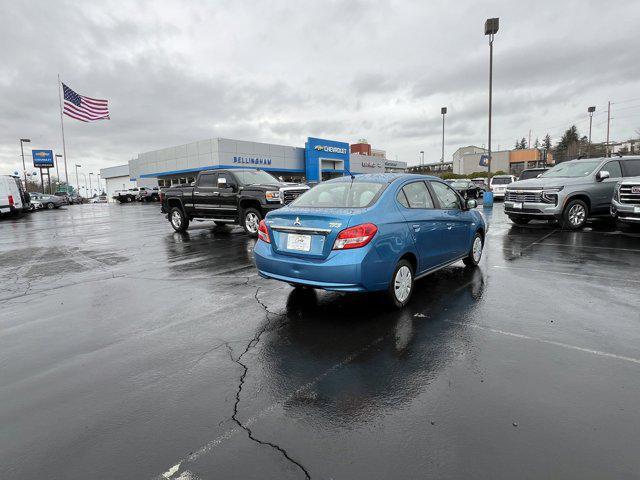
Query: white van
x,y
12,197
498,184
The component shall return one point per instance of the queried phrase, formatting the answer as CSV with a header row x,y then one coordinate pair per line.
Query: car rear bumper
x,y
357,270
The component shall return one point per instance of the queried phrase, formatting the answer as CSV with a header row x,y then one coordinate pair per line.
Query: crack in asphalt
x,y
245,370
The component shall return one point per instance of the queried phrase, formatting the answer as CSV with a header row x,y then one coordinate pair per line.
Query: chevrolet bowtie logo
x,y
41,154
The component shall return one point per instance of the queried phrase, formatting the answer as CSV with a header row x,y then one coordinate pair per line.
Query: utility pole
x,y
24,167
529,145
422,157
608,127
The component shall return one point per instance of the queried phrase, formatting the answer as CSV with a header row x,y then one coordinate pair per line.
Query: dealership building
x,y
320,159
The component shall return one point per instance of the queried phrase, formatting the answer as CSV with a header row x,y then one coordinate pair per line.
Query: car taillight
x,y
263,233
355,237
11,202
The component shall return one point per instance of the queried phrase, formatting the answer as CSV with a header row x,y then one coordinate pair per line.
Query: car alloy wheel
x,y
176,220
577,215
50,206
477,249
402,283
252,221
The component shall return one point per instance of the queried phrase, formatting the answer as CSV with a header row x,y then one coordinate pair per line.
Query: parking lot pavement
x,y
131,351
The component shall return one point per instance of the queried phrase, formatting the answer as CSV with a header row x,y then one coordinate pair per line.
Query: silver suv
x,y
625,206
570,192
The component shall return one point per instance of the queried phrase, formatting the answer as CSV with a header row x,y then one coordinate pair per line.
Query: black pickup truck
x,y
238,196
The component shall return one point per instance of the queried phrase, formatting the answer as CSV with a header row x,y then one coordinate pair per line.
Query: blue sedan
x,y
376,232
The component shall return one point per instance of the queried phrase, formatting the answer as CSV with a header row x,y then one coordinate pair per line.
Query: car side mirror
x,y
602,175
471,204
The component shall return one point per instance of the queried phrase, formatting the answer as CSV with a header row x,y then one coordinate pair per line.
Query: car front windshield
x,y
527,174
340,195
255,177
460,184
580,168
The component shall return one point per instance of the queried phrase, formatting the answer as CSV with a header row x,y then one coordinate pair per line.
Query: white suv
x,y
498,184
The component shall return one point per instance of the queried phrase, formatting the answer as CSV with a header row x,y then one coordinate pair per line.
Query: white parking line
x,y
548,342
553,272
588,246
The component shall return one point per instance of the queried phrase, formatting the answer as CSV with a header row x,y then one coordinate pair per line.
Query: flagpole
x,y
64,147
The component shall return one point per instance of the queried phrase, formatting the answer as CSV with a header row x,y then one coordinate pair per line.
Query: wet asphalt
x,y
129,351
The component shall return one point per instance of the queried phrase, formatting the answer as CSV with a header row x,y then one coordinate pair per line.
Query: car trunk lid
x,y
306,233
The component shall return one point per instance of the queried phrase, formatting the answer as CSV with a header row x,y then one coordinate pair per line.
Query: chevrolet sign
x,y
328,149
42,158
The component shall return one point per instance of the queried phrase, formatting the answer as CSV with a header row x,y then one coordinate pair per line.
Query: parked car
x,y
373,232
570,192
625,205
480,182
98,199
532,173
126,196
49,201
74,198
13,198
498,184
148,194
466,188
35,205
238,196
65,197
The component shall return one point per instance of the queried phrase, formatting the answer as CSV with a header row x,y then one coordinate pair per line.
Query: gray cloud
x,y
175,72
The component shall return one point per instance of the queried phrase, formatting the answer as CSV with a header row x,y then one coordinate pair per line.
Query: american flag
x,y
83,108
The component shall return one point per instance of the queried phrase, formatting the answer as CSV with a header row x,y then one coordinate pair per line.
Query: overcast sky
x,y
180,71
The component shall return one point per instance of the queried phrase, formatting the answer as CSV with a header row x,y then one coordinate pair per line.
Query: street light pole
x,y
422,157
77,179
443,112
24,166
490,28
90,186
590,111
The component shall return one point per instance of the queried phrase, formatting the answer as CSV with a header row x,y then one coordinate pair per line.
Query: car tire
x,y
50,206
401,284
178,220
129,199
519,220
250,219
575,215
475,252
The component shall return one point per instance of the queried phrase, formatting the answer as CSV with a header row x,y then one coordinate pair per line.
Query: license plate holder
x,y
517,205
297,242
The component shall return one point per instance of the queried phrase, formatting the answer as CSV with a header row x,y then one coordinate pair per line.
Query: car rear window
x,y
501,180
340,195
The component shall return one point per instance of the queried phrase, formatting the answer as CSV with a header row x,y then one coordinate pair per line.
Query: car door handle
x,y
416,227
215,194
196,193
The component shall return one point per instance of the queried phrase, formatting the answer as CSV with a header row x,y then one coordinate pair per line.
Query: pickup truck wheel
x,y
129,199
575,215
178,220
250,221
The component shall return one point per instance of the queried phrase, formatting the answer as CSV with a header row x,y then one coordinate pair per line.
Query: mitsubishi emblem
x,y
297,222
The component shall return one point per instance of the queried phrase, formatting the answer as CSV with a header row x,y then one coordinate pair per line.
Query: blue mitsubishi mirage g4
x,y
373,232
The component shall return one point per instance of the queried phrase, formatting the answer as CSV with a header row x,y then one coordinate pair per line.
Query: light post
x,y
90,187
77,180
86,190
422,157
24,167
98,184
490,28
590,111
443,112
57,169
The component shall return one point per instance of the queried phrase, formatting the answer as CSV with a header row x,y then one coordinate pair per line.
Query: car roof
x,y
382,177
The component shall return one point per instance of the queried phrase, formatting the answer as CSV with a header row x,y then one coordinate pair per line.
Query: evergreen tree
x,y
546,142
523,143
